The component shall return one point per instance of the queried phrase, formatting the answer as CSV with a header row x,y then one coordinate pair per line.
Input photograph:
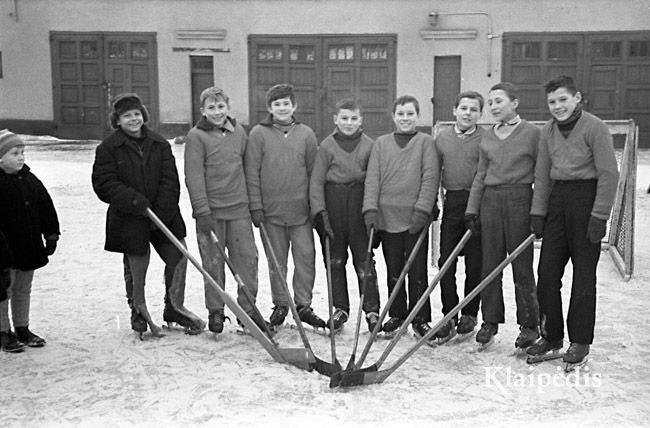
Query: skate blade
x,y
463,337
321,331
431,342
482,347
174,326
549,356
443,340
570,367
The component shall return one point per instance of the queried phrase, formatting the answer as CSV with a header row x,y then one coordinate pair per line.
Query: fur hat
x,y
125,102
9,140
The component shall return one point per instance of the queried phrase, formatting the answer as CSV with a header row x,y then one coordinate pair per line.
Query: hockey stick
x,y
393,294
240,284
328,262
297,357
367,266
321,366
371,375
421,301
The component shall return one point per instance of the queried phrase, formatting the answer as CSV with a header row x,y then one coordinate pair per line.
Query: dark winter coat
x,y
27,216
131,179
6,260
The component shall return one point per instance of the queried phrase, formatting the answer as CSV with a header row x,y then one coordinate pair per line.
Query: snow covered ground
x,y
95,372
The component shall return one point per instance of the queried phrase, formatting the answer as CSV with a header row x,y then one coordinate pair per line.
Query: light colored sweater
x,y
457,158
586,153
400,180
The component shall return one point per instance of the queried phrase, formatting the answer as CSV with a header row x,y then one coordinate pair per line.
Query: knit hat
x,y
125,102
9,140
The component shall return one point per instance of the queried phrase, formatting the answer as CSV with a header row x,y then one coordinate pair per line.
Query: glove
x,y
257,217
370,218
50,246
537,223
435,213
473,224
204,223
419,219
596,229
140,205
323,226
5,283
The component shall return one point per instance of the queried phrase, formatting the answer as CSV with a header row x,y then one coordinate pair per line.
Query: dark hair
x,y
213,93
561,81
507,87
123,103
472,95
283,90
405,99
347,104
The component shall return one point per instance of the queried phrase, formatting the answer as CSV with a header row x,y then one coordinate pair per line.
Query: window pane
x,y
606,49
341,52
562,50
301,54
139,50
270,53
374,52
116,49
639,48
89,50
526,50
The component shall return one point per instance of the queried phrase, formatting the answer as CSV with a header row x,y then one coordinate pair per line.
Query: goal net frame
x,y
619,241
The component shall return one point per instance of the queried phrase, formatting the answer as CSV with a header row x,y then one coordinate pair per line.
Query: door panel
x,y
88,69
446,86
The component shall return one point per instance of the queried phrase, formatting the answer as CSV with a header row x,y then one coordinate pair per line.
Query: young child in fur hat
x,y
29,227
134,170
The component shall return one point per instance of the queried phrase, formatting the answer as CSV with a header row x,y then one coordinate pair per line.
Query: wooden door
x,y
446,86
88,69
202,72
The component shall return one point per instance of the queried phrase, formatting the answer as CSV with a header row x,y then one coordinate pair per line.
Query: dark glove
x,y
204,223
537,223
596,229
5,282
50,246
435,213
473,224
419,219
370,218
140,205
257,217
323,226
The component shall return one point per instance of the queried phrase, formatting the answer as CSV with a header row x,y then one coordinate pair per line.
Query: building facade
x,y
62,60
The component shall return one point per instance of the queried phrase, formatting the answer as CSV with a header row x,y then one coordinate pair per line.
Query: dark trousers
x,y
565,238
397,247
505,224
452,230
344,204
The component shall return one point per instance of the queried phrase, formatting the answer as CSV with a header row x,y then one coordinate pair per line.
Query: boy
x,y
457,153
134,169
279,160
398,200
336,196
214,175
575,185
27,219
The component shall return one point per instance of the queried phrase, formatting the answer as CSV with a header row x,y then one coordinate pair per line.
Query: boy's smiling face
x,y
215,111
562,103
131,122
14,160
348,121
282,109
405,118
502,108
467,113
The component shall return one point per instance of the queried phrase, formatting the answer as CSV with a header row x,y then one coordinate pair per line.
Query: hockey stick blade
x,y
352,377
327,369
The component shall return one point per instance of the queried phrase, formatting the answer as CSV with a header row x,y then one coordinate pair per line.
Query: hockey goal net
x,y
619,240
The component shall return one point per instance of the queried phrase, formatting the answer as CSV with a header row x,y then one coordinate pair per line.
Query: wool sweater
x,y
278,165
214,170
336,165
400,180
504,162
586,153
457,158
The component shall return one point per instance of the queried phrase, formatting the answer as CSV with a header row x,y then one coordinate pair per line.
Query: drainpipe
x,y
13,11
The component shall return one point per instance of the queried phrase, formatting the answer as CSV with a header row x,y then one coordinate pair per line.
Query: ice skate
x,y
372,319
309,317
446,333
10,343
155,330
527,337
339,318
261,323
485,336
465,328
28,338
190,325
575,356
216,321
391,327
138,323
175,311
544,350
420,329
278,316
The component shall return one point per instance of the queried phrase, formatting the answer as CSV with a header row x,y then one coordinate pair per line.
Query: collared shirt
x,y
511,123
464,134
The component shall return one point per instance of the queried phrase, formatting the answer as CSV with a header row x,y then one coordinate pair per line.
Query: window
x,y
639,48
526,50
562,50
606,49
341,52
